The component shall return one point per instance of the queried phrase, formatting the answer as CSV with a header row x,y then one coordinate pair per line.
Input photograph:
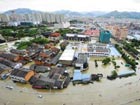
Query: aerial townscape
x,y
69,58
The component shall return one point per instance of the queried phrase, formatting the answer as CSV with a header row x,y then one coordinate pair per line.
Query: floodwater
x,y
123,91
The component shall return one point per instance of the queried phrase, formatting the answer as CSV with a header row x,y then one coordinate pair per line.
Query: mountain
x,y
116,14
22,11
79,14
65,12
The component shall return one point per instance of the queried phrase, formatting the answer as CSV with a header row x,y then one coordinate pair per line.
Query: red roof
x,y
55,34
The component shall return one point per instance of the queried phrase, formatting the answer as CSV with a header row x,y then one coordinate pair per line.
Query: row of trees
x,y
135,43
128,47
128,60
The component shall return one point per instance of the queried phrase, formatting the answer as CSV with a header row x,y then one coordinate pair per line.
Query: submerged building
x,y
82,62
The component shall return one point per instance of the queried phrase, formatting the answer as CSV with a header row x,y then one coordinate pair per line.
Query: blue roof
x,y
114,52
79,76
125,72
86,77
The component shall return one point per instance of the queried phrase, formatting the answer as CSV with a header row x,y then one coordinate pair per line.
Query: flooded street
x,y
123,91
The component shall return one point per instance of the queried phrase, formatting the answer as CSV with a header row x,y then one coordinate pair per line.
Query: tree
x,y
117,67
106,61
6,33
114,73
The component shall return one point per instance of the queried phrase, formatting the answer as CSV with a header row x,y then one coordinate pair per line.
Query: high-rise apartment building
x,y
32,17
4,18
105,36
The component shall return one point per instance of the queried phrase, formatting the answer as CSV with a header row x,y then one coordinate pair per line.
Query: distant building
x,y
62,25
104,36
137,37
35,18
76,37
55,37
26,23
93,32
4,18
118,32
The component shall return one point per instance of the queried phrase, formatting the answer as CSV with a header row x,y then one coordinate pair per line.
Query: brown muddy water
x,y
123,91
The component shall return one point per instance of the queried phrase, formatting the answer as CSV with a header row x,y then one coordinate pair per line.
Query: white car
x,y
9,87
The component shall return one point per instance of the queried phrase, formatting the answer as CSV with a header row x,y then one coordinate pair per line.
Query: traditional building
x,y
58,78
21,75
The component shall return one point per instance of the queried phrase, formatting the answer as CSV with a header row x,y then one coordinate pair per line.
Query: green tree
x,y
106,61
114,73
6,33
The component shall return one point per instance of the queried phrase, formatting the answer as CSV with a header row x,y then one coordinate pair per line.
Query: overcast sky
x,y
73,5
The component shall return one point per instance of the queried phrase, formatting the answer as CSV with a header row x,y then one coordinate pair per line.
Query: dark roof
x,y
19,73
56,70
39,82
15,51
58,84
4,67
56,76
38,68
47,82
46,34
7,62
48,52
33,79
8,56
55,59
65,43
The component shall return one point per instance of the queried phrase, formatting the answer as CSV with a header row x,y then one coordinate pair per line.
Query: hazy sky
x,y
74,5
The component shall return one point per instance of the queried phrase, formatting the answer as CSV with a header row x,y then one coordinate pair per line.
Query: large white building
x,y
62,25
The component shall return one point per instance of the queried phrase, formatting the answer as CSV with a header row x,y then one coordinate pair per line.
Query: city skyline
x,y
77,5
